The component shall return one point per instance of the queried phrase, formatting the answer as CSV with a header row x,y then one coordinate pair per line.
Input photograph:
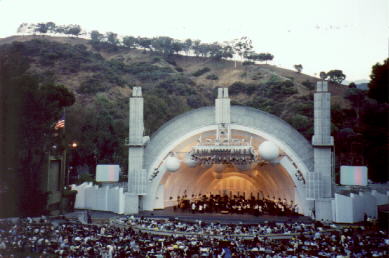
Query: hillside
x,y
102,77
74,63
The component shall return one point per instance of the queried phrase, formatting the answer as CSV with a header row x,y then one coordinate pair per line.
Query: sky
x,y
322,35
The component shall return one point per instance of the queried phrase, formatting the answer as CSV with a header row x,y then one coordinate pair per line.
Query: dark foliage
x,y
29,107
102,125
379,84
91,86
178,85
309,84
248,63
279,89
179,69
212,77
149,72
238,87
201,71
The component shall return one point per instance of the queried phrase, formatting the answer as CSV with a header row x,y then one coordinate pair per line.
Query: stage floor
x,y
221,218
169,213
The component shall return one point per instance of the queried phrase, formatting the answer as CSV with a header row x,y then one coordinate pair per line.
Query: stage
x,y
169,213
222,218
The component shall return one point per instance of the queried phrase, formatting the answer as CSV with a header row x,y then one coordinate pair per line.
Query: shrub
x,y
248,88
178,85
274,79
156,59
308,84
201,71
257,76
148,72
119,58
194,101
212,77
236,88
104,46
302,107
300,122
266,104
170,60
279,89
91,86
248,63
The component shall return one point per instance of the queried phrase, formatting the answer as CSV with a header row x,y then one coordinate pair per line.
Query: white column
x,y
320,181
136,143
223,114
222,107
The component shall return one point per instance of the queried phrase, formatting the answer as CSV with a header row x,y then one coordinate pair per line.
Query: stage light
x,y
268,151
172,163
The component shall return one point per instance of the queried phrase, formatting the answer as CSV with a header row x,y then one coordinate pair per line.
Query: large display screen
x,y
353,175
107,173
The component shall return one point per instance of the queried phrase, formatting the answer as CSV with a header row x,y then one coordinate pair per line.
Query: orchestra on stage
x,y
236,204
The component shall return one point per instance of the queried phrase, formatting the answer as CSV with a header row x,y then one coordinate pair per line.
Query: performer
x,y
193,207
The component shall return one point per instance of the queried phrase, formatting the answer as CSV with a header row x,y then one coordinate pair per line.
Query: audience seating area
x,y
147,237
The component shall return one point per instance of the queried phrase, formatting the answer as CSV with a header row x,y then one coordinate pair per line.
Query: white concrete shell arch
x,y
299,152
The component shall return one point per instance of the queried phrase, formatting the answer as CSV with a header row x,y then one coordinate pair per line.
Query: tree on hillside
x,y
264,57
196,47
379,84
228,52
242,46
298,67
215,51
357,98
177,46
323,75
336,76
205,49
164,45
51,27
129,41
96,36
374,129
146,43
202,50
187,46
112,38
73,29
253,56
101,131
41,28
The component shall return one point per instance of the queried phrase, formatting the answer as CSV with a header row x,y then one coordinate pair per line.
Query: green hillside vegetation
x,y
101,73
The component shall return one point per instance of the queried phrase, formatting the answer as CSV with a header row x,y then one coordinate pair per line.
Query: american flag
x,y
60,123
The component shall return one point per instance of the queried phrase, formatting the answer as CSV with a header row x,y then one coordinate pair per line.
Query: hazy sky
x,y
322,35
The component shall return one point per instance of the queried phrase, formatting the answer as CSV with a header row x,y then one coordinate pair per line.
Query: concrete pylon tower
x,y
223,115
222,107
320,181
136,143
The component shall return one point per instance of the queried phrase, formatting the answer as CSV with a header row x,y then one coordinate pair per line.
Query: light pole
x,y
72,146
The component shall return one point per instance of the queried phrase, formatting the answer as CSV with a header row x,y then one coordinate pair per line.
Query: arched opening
x,y
263,180
284,178
267,182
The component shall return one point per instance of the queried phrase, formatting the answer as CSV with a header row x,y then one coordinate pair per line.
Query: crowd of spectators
x,y
236,204
218,229
46,238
